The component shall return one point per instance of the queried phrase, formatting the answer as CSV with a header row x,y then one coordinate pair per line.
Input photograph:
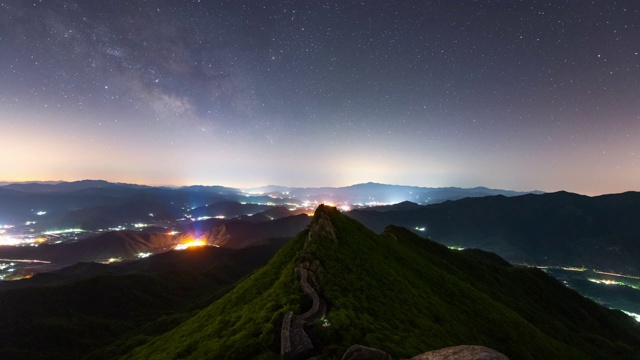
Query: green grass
x,y
244,324
407,295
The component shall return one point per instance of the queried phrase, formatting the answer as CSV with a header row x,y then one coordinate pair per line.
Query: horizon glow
x,y
530,96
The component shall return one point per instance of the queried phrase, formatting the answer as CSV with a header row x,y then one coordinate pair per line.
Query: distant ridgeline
x,y
557,229
97,204
397,292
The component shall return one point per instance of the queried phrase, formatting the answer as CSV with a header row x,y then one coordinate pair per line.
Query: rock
x,y
315,266
321,226
462,352
359,352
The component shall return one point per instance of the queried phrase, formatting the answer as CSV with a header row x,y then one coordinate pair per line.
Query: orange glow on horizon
x,y
190,243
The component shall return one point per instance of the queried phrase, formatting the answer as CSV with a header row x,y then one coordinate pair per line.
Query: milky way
x,y
516,95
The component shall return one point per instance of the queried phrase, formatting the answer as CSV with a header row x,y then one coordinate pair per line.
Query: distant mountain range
x,y
97,204
374,193
535,228
560,228
94,204
63,186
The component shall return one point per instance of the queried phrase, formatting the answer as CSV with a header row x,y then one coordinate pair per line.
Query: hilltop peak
x,y
321,225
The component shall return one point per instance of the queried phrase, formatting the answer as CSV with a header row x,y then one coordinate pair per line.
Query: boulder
x,y
359,352
462,352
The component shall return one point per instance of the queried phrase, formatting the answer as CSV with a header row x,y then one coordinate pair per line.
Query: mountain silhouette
x,y
547,229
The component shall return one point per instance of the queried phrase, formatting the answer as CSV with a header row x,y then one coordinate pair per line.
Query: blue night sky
x,y
516,95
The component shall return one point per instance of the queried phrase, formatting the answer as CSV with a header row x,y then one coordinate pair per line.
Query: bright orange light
x,y
190,243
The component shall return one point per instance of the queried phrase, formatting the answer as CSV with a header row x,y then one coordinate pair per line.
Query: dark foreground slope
x,y
404,294
121,305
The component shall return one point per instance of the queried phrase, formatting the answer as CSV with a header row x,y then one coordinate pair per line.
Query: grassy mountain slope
x,y
404,294
241,325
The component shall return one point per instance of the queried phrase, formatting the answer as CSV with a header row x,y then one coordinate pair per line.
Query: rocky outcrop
x,y
462,352
359,352
321,226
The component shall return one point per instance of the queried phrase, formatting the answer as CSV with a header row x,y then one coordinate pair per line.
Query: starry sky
x,y
517,95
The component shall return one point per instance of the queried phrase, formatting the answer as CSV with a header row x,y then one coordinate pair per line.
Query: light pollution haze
x,y
520,96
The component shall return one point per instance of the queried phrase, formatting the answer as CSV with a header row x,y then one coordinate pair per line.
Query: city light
x,y
605,281
28,261
54,232
190,243
572,268
614,274
9,241
635,316
19,240
613,282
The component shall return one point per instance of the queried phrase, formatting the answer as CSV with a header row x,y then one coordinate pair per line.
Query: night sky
x,y
515,95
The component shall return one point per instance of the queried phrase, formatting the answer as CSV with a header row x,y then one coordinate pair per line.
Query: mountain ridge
x,y
558,228
401,293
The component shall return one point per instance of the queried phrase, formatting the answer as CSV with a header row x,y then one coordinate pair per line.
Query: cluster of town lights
x,y
190,243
